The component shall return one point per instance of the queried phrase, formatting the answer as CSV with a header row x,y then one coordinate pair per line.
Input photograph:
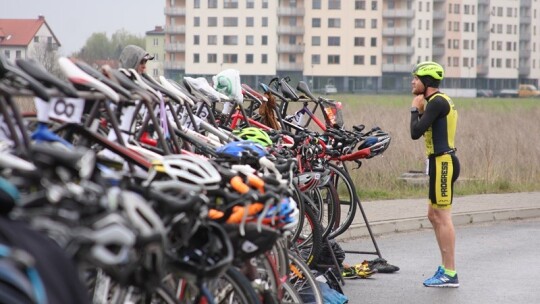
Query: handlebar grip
x,y
364,153
238,185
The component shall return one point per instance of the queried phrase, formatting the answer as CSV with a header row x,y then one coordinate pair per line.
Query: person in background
x,y
434,116
134,57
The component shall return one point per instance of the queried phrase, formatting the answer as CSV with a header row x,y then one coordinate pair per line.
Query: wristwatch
x,y
414,110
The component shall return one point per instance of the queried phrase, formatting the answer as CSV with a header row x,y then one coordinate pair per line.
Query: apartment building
x,y
357,45
155,46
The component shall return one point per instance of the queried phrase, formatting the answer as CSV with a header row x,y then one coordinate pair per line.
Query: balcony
x,y
290,66
290,30
291,11
525,19
482,51
483,17
396,13
438,33
175,11
526,53
396,68
175,47
394,32
525,3
483,34
482,69
175,29
438,50
483,2
397,50
524,70
439,15
290,48
174,65
525,34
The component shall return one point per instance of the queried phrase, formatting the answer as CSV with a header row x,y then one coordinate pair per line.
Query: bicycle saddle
x,y
7,70
81,79
99,76
38,72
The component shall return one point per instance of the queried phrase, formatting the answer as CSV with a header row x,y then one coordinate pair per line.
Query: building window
x,y
360,5
249,58
18,54
316,40
373,23
334,41
265,5
155,41
334,4
359,59
456,61
230,58
359,23
197,4
212,3
292,58
196,21
230,21
196,58
456,9
264,58
373,41
264,40
333,59
334,22
419,42
292,21
212,39
7,53
419,24
316,4
374,5
264,22
250,22
230,40
212,21
373,60
196,40
230,3
428,8
419,6
250,4
212,58
250,40
316,22
292,40
315,59
427,43
359,41
36,38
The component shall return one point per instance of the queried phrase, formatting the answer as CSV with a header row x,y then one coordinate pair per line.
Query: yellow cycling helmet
x,y
429,68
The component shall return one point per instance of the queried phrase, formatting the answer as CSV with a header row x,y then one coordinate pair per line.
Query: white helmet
x,y
193,173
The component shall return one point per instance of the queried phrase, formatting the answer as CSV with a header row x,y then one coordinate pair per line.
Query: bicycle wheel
x,y
327,203
233,287
303,280
290,295
346,192
309,243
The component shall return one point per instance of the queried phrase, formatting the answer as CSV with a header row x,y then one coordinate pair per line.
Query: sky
x,y
74,21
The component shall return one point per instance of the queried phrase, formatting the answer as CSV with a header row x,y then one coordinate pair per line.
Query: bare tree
x,y
47,55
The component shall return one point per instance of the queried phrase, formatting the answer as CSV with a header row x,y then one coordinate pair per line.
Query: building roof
x,y
158,30
20,32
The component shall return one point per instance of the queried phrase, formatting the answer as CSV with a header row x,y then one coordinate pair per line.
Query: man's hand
x,y
418,102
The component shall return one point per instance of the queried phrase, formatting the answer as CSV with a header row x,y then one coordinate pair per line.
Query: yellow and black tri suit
x,y
438,126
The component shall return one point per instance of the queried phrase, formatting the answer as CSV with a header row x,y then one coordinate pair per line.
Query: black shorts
x,y
443,172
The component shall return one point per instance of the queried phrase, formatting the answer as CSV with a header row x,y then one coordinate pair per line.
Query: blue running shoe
x,y
440,279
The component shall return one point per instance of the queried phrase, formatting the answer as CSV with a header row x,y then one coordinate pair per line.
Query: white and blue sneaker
x,y
440,279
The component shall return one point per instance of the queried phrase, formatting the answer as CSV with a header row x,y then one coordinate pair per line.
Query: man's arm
x,y
420,123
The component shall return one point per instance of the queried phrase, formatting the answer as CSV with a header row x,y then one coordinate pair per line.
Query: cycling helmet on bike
x,y
255,135
376,144
240,149
193,173
430,73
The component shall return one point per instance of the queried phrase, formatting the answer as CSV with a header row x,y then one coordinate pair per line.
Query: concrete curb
x,y
416,223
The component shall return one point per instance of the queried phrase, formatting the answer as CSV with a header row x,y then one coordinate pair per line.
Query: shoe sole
x,y
453,285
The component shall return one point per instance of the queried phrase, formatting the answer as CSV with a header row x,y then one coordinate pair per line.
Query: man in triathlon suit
x,y
434,116
134,57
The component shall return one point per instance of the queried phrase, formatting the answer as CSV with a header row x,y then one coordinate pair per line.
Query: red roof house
x,y
22,38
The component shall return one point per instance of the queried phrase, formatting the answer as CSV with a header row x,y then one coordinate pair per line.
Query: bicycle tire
x,y
310,242
327,201
237,287
303,280
347,198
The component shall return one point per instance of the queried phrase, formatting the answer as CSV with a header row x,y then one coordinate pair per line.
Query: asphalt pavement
x,y
389,216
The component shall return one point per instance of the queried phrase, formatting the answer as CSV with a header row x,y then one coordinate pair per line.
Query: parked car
x,y
484,93
524,90
330,89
